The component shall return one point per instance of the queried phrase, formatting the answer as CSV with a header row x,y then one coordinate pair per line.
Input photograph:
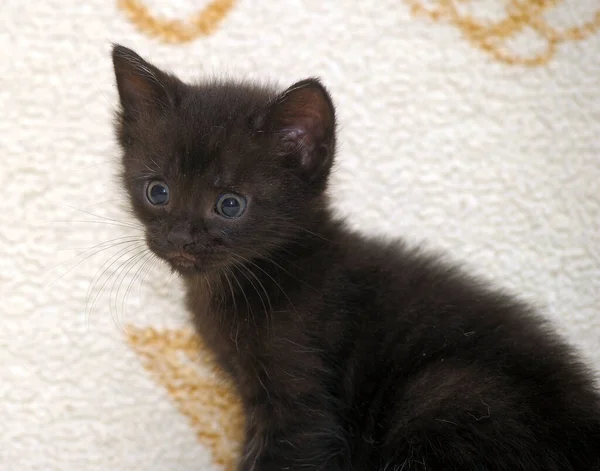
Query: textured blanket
x,y
469,126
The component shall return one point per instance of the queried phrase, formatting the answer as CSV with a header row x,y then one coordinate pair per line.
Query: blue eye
x,y
230,205
157,193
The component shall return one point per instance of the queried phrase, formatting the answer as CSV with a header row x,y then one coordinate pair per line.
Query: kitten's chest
x,y
215,326
257,347
231,333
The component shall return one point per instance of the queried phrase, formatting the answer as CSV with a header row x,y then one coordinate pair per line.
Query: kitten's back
x,y
464,365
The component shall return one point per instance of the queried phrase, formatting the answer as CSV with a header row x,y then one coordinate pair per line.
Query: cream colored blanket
x,y
470,125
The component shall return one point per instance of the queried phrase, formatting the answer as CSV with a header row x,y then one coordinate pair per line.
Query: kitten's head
x,y
221,172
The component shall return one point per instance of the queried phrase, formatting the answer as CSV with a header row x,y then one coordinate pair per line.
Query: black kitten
x,y
348,353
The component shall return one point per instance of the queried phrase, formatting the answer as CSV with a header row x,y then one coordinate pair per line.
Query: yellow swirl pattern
x,y
178,361
202,23
521,15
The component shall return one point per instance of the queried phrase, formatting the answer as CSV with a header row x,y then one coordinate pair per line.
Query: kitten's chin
x,y
188,265
183,266
183,263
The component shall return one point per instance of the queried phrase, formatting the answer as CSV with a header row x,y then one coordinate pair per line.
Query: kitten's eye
x,y
230,205
157,193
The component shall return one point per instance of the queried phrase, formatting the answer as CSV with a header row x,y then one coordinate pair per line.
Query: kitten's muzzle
x,y
180,239
181,259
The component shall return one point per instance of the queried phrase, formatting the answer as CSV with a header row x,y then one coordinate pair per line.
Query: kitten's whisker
x,y
237,324
129,241
155,261
269,259
140,273
207,281
204,285
147,261
144,259
249,309
139,177
233,300
109,263
117,281
269,314
104,244
262,384
240,264
303,349
312,233
153,170
274,281
268,310
129,223
107,223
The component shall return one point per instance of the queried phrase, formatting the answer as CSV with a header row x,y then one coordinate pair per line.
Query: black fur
x,y
349,353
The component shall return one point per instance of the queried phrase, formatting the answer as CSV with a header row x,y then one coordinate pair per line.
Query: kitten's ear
x,y
143,88
303,118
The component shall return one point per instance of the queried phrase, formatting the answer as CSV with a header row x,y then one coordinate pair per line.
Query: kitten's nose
x,y
180,239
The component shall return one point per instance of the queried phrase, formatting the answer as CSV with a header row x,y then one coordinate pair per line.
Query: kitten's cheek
x,y
149,242
154,246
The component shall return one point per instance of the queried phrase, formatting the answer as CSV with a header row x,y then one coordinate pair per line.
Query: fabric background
x,y
470,125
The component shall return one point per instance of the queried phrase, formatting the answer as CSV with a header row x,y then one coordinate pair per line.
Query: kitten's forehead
x,y
211,134
224,104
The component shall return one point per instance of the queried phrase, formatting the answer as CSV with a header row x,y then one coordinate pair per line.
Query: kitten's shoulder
x,y
394,255
427,279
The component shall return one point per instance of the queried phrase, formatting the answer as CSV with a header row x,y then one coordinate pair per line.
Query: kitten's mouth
x,y
182,259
